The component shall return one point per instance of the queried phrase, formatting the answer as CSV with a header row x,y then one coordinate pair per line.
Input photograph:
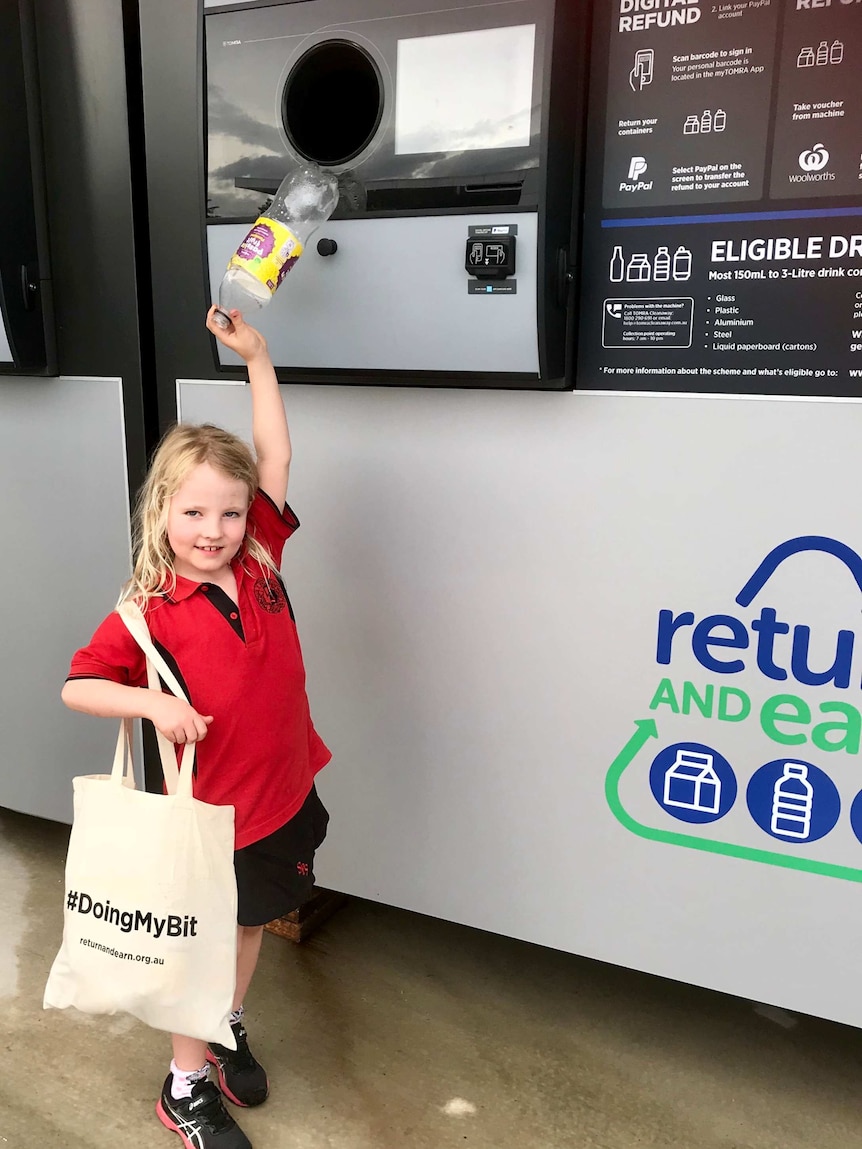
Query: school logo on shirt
x,y
270,595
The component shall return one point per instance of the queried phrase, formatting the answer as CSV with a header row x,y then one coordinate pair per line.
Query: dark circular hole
x,y
332,102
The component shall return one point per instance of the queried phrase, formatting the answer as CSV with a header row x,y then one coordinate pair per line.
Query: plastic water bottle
x,y
305,199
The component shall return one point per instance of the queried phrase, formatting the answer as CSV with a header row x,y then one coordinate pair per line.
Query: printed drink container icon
x,y
805,59
692,783
682,263
792,802
822,56
618,265
305,199
638,270
836,52
661,265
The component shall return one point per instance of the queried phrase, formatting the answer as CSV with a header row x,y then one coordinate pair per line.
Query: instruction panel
x,y
723,238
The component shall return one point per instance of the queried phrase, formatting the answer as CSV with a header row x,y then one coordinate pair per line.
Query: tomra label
x,y
268,252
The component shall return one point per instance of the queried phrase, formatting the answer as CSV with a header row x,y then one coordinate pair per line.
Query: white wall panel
x,y
477,584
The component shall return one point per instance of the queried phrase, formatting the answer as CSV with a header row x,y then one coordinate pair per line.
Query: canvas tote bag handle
x,y
123,770
176,782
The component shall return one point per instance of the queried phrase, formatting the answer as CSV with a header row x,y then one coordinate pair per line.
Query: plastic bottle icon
x,y
805,59
691,126
719,122
822,56
638,270
618,266
792,802
836,52
682,264
661,265
706,121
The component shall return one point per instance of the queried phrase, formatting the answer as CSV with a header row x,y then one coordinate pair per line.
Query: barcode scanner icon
x,y
642,72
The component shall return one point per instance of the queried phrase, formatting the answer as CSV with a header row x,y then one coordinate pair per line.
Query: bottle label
x,y
268,252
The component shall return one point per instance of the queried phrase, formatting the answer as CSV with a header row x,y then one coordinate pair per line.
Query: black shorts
x,y
275,875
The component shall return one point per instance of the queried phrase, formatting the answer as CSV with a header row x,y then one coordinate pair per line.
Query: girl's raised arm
x,y
268,419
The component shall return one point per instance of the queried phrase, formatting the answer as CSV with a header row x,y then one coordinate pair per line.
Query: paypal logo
x,y
779,649
637,167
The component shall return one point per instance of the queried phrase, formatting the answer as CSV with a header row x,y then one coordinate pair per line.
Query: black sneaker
x,y
201,1120
241,1077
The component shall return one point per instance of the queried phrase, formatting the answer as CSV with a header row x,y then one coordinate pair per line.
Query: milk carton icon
x,y
805,59
792,802
692,783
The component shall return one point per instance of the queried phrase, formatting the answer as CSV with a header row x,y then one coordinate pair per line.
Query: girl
x,y
210,526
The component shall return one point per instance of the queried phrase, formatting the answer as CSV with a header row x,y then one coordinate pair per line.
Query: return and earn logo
x,y
647,729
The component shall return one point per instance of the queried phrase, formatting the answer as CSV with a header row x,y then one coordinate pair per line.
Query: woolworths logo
x,y
812,161
790,799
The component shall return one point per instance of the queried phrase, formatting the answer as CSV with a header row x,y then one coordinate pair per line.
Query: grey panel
x,y
394,297
5,349
63,467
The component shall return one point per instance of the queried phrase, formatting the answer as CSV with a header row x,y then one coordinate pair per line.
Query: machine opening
x,y
332,102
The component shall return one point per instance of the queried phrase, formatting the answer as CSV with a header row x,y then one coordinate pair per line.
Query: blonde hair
x,y
182,449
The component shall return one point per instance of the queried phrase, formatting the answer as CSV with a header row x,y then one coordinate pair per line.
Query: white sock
x,y
237,1015
183,1081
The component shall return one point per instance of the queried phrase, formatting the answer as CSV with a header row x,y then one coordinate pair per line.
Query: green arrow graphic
x,y
646,729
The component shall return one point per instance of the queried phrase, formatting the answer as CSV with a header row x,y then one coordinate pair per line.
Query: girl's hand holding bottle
x,y
245,341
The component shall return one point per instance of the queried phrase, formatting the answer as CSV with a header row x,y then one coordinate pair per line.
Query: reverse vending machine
x,y
455,133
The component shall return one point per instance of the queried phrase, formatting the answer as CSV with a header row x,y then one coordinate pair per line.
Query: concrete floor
x,y
393,1031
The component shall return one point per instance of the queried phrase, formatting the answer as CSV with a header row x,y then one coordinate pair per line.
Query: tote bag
x,y
150,892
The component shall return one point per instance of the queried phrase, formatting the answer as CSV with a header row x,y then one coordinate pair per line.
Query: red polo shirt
x,y
240,662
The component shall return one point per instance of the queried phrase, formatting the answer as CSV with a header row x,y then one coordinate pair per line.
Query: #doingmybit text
x,y
172,925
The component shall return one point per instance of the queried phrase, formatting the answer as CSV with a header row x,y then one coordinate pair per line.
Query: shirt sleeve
x,y
269,525
111,654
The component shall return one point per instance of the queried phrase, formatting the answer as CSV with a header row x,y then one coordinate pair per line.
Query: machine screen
x,y
465,91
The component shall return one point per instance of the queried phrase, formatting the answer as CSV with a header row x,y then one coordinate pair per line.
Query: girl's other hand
x,y
177,720
246,341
